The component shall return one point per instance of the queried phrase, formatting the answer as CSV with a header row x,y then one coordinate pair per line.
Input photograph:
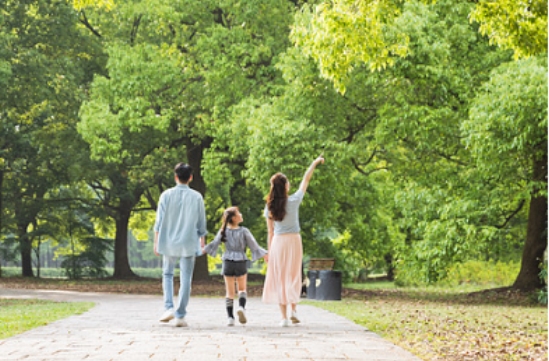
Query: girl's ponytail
x,y
228,216
223,228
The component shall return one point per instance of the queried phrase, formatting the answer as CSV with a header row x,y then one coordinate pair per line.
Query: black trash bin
x,y
311,284
328,288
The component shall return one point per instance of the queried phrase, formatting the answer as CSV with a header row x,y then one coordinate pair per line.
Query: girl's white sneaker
x,y
241,315
284,323
230,321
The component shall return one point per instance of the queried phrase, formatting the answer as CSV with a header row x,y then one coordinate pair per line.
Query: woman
x,y
235,262
283,281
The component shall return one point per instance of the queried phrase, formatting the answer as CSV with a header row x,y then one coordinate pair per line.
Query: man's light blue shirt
x,y
180,222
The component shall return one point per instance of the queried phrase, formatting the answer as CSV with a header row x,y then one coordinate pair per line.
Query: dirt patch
x,y
214,287
147,286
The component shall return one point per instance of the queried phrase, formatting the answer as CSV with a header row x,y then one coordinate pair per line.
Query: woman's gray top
x,y
235,246
290,223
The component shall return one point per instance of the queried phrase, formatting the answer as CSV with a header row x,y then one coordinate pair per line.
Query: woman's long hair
x,y
278,196
228,216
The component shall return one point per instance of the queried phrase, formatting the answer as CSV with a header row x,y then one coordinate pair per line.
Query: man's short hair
x,y
183,172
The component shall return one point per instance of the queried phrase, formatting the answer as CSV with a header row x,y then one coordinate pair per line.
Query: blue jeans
x,y
186,268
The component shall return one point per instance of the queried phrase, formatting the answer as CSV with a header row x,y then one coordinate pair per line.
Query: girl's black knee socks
x,y
229,304
242,299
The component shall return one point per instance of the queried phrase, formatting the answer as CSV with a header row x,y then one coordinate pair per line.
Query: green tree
x,y
507,134
285,132
518,25
170,84
48,60
441,217
81,4
446,206
342,35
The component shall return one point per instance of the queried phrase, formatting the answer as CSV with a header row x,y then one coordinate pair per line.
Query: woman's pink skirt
x,y
283,281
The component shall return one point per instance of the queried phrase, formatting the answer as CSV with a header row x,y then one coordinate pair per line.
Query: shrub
x,y
90,263
484,273
473,272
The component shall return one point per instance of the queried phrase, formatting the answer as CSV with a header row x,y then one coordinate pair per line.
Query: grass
x,y
371,285
18,316
450,324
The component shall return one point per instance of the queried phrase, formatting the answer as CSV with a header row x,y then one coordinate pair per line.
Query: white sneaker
x,y
294,317
230,321
241,315
167,316
180,322
284,323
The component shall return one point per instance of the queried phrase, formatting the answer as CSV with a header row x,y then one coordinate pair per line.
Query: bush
x,y
144,272
480,273
83,265
45,272
11,271
90,263
484,273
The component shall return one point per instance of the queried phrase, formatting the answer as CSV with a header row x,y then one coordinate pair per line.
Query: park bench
x,y
319,264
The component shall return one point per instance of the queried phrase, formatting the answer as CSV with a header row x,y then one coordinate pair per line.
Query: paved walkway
x,y
125,327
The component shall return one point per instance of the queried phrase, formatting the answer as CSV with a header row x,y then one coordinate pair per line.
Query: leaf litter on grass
x,y
457,327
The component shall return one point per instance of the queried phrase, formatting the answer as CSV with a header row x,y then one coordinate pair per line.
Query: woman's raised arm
x,y
309,173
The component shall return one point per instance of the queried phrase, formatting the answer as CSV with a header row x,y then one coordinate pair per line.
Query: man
x,y
180,231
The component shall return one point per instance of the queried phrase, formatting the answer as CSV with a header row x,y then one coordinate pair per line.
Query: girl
x,y
234,267
283,279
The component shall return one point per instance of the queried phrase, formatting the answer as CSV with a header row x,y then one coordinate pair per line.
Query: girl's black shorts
x,y
234,268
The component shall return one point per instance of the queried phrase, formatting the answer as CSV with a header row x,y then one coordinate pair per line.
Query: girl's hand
x,y
266,258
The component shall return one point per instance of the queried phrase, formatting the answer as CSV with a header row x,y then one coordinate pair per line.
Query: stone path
x,y
125,328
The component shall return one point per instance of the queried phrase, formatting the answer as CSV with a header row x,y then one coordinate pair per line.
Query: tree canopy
x,y
432,117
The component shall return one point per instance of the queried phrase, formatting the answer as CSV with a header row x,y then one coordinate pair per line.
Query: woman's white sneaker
x,y
230,321
294,317
284,323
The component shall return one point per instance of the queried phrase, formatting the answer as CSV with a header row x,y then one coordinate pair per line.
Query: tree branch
x,y
150,199
449,158
362,171
87,24
135,28
513,214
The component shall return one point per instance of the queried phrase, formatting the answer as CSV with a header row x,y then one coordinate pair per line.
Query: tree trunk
x,y
195,153
122,267
1,203
1,211
390,266
536,235
25,247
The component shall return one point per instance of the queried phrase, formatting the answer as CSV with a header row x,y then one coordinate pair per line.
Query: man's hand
x,y
155,247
